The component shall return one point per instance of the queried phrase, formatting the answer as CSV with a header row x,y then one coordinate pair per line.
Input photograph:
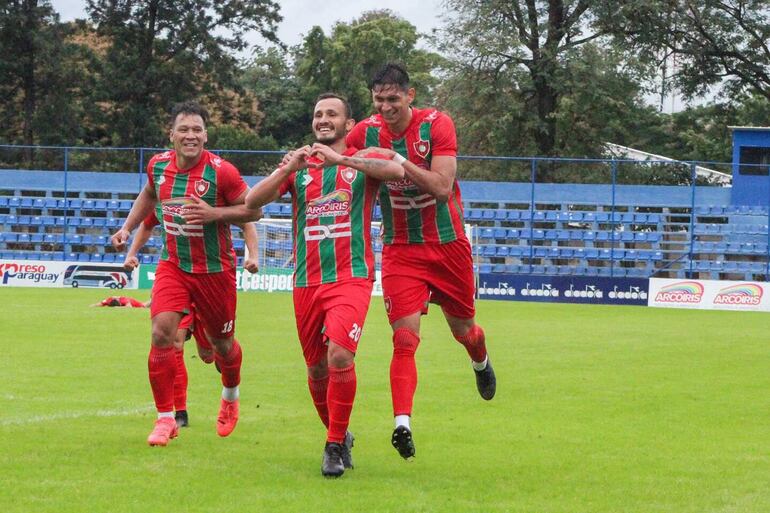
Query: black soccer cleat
x,y
332,465
486,383
402,441
347,447
181,418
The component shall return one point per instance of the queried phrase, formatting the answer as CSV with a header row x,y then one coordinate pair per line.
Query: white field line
x,y
35,419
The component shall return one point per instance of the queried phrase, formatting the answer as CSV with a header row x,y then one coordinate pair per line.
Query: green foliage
x,y
163,53
345,61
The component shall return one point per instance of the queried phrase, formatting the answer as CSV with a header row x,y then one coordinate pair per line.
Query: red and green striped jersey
x,y
410,216
193,248
332,220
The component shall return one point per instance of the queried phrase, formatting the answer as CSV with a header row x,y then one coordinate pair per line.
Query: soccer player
x,y
426,254
122,301
333,199
189,326
196,196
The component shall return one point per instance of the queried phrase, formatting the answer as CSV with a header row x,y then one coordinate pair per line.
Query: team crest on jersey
x,y
201,187
306,179
349,175
422,148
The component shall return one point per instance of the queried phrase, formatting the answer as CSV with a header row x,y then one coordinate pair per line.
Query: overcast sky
x,y
300,15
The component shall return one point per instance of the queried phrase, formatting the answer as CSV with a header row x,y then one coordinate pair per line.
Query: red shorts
x,y
334,311
415,274
188,322
214,295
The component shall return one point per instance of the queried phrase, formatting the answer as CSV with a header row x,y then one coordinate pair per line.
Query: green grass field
x,y
598,409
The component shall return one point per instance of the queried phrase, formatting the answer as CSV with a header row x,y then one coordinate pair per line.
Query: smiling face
x,y
393,104
330,121
188,136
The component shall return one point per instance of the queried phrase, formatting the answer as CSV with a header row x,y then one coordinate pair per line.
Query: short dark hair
x,y
345,102
391,74
189,108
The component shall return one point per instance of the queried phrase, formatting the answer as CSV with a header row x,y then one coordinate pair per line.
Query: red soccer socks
x,y
230,365
340,396
162,369
180,382
474,343
403,370
318,392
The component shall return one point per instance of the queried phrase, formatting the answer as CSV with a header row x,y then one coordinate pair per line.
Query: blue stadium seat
x,y
109,258
514,215
487,215
502,233
502,251
498,268
100,222
39,203
286,209
57,257
4,201
96,257
501,215
49,221
538,215
125,205
551,216
485,268
113,205
486,233
36,238
473,214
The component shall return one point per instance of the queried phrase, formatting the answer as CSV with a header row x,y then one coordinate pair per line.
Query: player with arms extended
x,y
196,195
332,201
426,255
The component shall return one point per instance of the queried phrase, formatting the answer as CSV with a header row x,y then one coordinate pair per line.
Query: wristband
x,y
398,158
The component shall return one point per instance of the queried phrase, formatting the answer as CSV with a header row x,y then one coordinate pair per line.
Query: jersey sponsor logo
x,y
166,155
683,292
743,294
432,116
407,203
331,205
421,148
202,187
184,230
327,231
175,206
405,184
374,120
348,174
216,161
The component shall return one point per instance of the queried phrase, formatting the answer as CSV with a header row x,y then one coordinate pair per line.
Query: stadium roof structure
x,y
750,128
712,175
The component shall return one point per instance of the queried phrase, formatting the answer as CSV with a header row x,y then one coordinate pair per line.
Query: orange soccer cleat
x,y
164,430
228,417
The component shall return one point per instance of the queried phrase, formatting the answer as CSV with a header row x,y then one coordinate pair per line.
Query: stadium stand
x,y
639,231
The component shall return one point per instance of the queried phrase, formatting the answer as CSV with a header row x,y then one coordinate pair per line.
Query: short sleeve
x,y
288,184
231,182
151,221
356,138
443,136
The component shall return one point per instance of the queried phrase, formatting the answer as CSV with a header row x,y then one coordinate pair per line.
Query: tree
x,y
271,78
345,61
163,52
526,41
715,42
31,51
